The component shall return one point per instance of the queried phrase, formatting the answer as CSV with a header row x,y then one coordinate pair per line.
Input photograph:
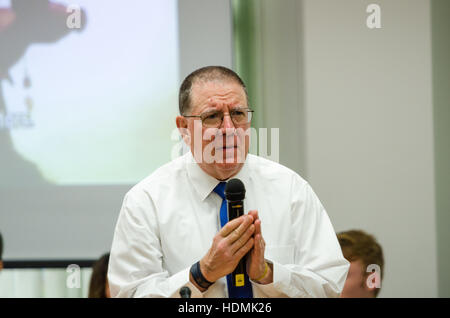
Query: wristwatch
x,y
198,276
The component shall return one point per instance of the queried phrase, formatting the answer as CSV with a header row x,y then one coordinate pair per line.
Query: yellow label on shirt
x,y
237,206
240,280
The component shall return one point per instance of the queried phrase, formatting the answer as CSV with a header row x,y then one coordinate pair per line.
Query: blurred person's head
x,y
99,287
364,254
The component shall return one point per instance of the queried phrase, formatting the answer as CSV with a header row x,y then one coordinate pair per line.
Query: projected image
x,y
89,104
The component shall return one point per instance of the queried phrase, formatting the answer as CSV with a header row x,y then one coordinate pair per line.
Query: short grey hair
x,y
206,74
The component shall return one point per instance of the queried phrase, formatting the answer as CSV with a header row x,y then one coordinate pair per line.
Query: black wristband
x,y
198,276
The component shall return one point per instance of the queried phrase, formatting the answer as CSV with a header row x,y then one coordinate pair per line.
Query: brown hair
x,y
97,287
358,245
208,73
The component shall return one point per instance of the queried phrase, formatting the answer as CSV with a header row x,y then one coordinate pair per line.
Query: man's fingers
x,y
258,227
254,214
237,228
241,241
245,249
233,225
239,232
258,247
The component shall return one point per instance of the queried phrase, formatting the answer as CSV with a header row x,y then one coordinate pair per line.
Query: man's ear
x,y
1,265
181,122
372,291
182,126
373,281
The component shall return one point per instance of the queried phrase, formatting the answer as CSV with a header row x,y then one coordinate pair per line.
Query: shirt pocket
x,y
282,254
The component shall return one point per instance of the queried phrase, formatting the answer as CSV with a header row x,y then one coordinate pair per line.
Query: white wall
x,y
369,130
356,104
205,34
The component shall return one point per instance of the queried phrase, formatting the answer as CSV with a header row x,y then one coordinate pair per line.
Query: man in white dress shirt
x,y
169,235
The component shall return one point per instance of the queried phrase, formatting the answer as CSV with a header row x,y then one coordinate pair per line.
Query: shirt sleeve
x,y
136,261
319,268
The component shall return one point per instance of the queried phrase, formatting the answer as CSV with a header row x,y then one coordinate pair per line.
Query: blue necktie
x,y
233,291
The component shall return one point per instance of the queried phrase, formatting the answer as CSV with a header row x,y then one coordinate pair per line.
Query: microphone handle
x,y
235,210
238,273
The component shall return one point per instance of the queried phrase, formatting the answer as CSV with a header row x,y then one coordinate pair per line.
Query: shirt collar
x,y
203,183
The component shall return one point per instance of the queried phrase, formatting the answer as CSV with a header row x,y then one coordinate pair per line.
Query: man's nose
x,y
227,122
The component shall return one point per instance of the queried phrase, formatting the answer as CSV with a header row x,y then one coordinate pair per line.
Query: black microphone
x,y
235,194
185,292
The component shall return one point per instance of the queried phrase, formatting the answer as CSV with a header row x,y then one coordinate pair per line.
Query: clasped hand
x,y
237,238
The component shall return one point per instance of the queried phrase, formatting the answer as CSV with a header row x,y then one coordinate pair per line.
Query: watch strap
x,y
198,276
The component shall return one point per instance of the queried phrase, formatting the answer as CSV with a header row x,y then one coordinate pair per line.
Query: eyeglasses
x,y
214,119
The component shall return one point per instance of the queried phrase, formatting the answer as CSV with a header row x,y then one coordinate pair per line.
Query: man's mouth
x,y
226,147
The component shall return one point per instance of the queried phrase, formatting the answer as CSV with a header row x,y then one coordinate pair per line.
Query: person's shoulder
x,y
272,170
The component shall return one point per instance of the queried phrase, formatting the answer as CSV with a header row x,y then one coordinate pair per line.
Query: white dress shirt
x,y
168,221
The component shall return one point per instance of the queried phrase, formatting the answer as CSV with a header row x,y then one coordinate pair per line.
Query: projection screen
x,y
87,110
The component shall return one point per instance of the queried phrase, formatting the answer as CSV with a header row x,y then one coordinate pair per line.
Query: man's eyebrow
x,y
209,110
239,107
213,107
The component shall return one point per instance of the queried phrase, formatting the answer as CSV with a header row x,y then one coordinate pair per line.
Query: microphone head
x,y
234,190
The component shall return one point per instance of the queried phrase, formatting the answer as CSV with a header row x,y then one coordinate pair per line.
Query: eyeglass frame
x,y
248,110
